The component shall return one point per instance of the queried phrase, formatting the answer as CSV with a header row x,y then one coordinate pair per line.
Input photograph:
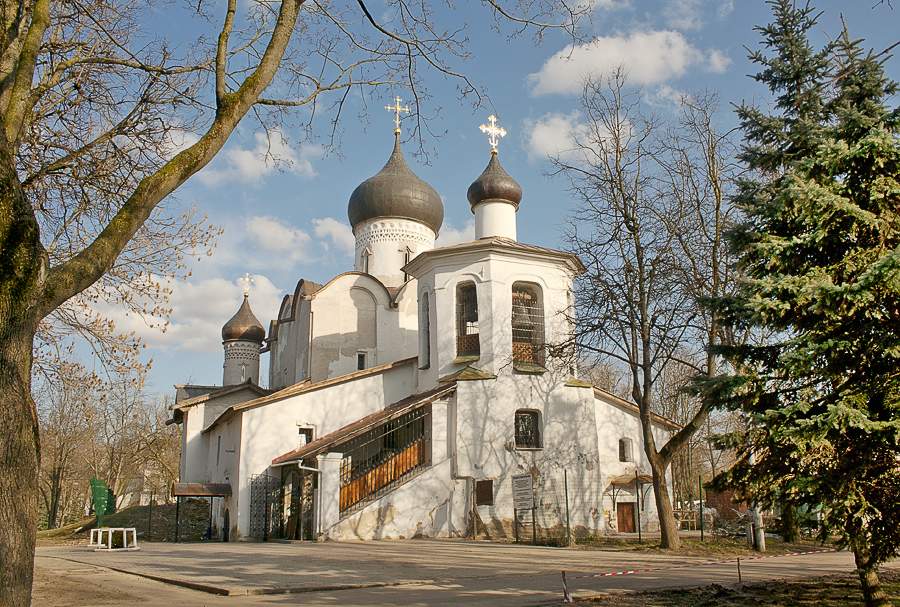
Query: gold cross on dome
x,y
494,132
246,281
397,109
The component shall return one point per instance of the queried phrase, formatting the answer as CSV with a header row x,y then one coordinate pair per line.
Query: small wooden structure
x,y
208,490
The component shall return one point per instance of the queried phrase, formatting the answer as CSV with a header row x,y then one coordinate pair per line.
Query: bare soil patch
x,y
830,591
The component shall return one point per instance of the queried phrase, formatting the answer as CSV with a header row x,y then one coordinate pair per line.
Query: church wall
x,y
273,429
353,315
213,408
432,504
193,453
486,448
614,423
222,462
494,274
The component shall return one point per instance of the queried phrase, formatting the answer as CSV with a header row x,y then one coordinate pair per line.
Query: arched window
x,y
625,453
528,429
467,343
424,333
527,324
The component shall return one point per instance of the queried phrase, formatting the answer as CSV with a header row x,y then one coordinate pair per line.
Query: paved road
x,y
383,573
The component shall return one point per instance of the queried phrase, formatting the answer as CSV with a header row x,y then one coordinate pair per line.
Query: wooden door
x,y
625,517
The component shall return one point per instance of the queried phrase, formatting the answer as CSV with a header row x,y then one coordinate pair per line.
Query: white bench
x,y
109,533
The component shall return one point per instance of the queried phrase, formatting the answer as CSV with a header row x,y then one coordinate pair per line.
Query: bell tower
x,y
242,338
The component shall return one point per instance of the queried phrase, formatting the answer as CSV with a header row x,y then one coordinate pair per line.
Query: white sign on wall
x,y
523,492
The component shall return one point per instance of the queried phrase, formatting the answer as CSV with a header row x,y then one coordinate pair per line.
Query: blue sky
x,y
286,222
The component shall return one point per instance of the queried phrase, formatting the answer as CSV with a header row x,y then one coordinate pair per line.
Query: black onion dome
x,y
495,184
244,325
395,191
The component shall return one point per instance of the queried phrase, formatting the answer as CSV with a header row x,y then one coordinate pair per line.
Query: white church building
x,y
406,397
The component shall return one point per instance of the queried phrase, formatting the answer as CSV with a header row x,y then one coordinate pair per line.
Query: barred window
x,y
527,324
528,429
467,343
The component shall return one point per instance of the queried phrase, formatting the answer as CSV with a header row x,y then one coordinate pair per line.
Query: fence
x,y
384,457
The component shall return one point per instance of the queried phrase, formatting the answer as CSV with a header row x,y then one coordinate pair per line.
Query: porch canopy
x,y
627,480
201,489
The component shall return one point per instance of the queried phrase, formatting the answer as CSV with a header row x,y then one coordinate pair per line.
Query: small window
x,y
367,254
625,454
407,257
484,492
306,436
528,430
360,361
527,324
218,448
424,333
467,343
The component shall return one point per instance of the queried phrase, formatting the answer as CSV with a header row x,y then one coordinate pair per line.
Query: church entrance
x,y
625,517
298,489
266,519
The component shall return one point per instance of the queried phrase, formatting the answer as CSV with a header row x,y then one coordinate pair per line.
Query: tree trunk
x,y
22,266
18,466
790,531
873,595
668,526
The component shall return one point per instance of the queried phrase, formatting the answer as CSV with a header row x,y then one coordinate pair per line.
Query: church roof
x,y
217,391
495,183
395,191
244,325
309,386
495,242
354,429
621,403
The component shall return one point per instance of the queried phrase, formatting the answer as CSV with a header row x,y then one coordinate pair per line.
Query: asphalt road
x,y
407,573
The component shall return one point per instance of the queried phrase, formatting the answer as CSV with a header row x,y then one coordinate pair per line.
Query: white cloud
x,y
273,236
178,140
666,95
648,57
684,14
450,235
334,233
199,309
726,7
553,135
604,4
251,165
718,61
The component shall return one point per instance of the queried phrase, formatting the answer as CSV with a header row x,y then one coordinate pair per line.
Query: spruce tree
x,y
819,252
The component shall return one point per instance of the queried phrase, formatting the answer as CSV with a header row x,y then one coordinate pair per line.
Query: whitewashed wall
x,y
432,504
272,430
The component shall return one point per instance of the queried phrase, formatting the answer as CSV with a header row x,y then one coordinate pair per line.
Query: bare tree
x,y
649,230
64,402
103,118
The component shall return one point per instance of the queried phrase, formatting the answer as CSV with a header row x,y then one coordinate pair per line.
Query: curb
x,y
244,590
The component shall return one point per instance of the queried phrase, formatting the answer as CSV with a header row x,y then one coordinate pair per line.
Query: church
x,y
418,394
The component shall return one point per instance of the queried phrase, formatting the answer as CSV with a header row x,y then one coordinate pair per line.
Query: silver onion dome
x,y
244,325
395,191
494,183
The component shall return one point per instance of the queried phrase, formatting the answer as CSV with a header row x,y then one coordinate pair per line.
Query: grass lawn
x,y
831,591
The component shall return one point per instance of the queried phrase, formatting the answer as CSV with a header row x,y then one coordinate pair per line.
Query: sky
x,y
288,220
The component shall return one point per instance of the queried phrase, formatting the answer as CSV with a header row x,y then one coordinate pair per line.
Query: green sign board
x,y
102,498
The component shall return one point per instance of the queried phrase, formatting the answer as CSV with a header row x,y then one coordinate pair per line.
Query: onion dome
x,y
495,184
244,325
395,191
